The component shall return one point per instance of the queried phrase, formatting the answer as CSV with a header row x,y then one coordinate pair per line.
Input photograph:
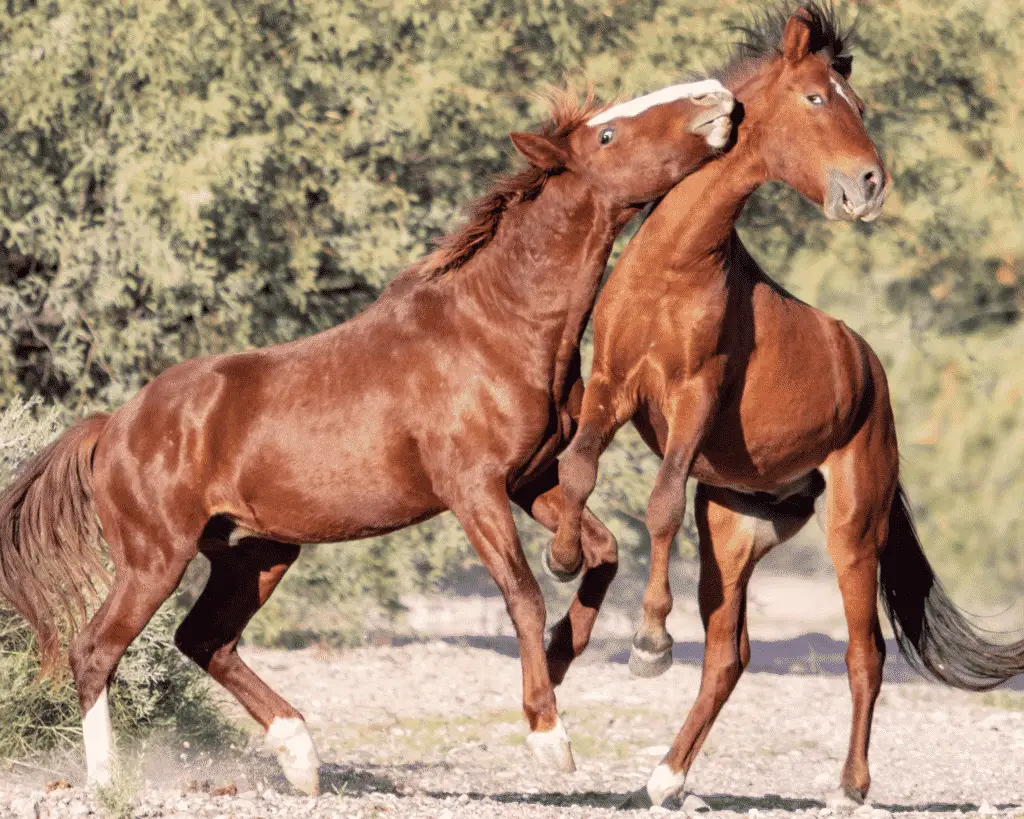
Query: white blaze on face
x,y
99,742
838,86
665,95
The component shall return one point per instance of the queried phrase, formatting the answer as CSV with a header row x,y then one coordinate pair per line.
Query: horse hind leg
x,y
731,543
138,589
242,578
858,497
543,501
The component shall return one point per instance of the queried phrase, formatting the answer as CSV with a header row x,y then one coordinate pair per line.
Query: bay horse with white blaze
x,y
455,390
775,408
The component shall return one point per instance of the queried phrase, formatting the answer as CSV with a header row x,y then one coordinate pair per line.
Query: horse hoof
x,y
552,749
663,785
559,575
844,800
650,657
291,743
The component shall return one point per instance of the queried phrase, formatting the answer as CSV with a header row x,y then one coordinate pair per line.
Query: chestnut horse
x,y
454,391
774,407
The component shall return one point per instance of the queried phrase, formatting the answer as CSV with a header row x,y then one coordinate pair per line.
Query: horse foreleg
x,y
577,476
242,578
571,634
486,515
691,410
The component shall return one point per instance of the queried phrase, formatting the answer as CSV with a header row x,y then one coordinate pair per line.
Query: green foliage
x,y
25,428
182,177
156,690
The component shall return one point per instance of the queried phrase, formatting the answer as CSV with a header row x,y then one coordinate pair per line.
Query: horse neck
x,y
692,232
536,281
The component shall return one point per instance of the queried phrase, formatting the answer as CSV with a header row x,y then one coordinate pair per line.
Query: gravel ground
x,y
434,730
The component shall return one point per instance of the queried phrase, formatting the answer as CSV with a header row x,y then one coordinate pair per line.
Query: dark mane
x,y
761,36
568,112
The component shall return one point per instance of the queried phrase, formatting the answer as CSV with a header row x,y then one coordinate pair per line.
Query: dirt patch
x,y
433,730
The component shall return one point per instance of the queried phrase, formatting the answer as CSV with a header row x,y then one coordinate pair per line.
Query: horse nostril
x,y
872,181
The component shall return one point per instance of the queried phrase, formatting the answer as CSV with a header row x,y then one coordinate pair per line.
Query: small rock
x,y
985,809
694,804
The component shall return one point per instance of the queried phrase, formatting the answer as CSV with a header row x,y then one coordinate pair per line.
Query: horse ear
x,y
797,37
540,151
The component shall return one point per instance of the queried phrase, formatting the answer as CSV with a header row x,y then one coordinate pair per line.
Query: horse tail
x,y
51,539
934,636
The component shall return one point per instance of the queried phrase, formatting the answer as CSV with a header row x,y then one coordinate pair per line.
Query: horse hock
x,y
290,741
552,749
650,655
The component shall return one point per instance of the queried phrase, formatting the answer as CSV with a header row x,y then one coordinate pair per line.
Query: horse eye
x,y
815,99
606,136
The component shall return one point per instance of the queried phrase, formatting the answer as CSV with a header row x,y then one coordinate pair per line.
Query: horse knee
x,y
525,604
667,505
577,468
600,545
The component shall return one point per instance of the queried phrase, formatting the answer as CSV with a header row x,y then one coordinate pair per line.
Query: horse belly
x,y
317,484
765,443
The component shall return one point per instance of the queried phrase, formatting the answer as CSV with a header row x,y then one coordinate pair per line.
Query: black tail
x,y
933,635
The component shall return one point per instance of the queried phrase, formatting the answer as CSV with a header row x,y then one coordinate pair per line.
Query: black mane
x,y
761,37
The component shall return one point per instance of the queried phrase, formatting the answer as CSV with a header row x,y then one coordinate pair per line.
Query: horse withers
x,y
778,410
455,390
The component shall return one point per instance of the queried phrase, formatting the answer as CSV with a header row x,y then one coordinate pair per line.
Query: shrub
x,y
156,690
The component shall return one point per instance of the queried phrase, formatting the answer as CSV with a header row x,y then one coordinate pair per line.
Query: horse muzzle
x,y
859,196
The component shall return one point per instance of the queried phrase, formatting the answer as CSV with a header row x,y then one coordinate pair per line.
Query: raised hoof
x,y
650,657
290,741
844,800
559,575
552,749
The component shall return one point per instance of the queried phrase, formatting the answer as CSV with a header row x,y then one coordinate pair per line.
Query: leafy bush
x,y
156,690
261,174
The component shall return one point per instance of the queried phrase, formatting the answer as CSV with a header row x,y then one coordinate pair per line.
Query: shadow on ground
x,y
808,654
366,779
